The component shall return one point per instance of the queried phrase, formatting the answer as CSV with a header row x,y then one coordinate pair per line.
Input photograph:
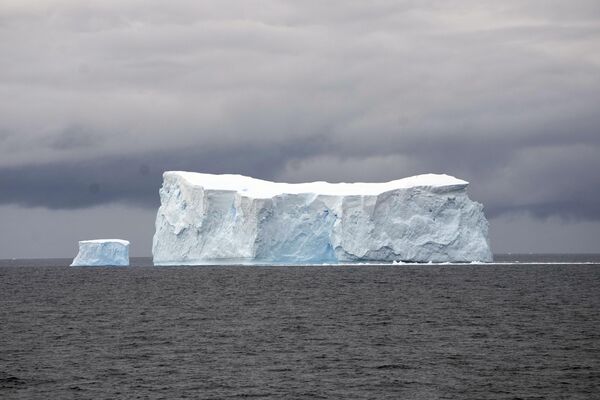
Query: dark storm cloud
x,y
544,182
100,99
136,179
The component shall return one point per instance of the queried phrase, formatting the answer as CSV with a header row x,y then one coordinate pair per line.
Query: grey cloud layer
x,y
98,99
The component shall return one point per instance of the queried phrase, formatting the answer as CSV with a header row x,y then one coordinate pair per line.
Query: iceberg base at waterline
x,y
102,252
218,219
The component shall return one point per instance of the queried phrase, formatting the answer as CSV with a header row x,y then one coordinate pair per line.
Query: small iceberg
x,y
102,252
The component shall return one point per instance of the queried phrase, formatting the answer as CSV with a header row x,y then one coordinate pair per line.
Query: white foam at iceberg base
x,y
102,252
205,218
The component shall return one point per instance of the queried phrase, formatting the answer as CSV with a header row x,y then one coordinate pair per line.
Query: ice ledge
x,y
258,188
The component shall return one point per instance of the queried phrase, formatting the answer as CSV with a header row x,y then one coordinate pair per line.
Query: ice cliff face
x,y
206,219
102,252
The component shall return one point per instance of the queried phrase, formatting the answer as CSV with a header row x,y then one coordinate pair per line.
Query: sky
x,y
98,98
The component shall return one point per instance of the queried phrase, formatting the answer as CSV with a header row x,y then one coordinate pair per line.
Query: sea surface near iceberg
x,y
525,327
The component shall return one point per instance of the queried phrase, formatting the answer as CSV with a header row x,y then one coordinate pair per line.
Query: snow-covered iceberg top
x,y
205,218
260,189
102,252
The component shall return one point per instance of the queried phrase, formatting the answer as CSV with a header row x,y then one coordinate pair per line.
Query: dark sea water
x,y
504,331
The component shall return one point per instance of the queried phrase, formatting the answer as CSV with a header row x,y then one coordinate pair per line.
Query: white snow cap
x,y
259,188
120,241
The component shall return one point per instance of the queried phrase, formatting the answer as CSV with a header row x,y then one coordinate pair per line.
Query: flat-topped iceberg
x,y
102,252
215,219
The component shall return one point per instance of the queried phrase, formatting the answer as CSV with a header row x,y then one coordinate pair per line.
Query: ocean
x,y
526,330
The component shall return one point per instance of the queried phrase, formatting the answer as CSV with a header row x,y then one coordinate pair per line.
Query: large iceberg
x,y
102,252
216,219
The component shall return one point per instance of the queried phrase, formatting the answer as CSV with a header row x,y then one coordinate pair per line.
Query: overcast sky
x,y
98,98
